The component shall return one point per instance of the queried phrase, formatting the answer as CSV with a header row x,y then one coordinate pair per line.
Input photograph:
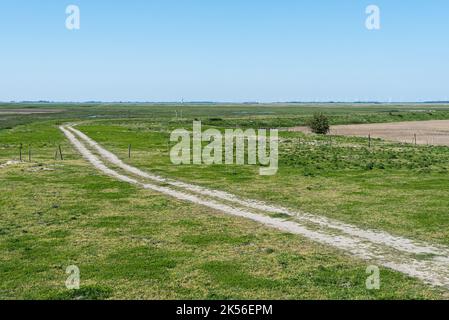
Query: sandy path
x,y
397,253
374,236
434,132
9,163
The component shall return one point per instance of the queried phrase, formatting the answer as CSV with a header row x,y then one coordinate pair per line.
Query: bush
x,y
319,124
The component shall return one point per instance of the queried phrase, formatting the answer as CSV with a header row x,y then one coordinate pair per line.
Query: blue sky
x,y
224,50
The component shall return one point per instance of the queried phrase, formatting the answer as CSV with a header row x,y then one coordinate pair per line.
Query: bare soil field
x,y
28,111
434,132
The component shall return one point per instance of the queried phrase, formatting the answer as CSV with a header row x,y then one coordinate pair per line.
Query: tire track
x,y
380,237
396,253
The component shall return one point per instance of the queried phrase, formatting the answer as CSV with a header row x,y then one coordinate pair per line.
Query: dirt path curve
x,y
429,263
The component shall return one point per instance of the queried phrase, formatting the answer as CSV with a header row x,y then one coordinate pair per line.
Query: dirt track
x,y
435,132
398,253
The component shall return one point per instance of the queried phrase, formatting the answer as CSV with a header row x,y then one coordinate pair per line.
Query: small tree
x,y
319,124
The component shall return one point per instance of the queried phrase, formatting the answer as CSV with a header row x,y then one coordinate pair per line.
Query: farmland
x,y
136,243
433,132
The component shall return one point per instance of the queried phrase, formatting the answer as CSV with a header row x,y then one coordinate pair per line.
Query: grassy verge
x,y
131,243
395,187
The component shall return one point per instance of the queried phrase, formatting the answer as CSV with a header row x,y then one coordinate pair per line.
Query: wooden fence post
x,y
20,152
60,152
129,151
29,153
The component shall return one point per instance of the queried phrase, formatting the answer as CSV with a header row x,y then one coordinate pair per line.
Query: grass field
x,y
132,243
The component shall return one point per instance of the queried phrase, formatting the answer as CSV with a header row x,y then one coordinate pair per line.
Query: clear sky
x,y
224,50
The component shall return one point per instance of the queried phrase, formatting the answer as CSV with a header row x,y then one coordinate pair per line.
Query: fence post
x,y
369,140
20,152
129,151
29,153
415,140
60,152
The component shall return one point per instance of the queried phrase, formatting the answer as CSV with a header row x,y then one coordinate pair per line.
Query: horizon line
x,y
223,102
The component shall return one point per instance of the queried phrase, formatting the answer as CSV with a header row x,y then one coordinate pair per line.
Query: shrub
x,y
319,123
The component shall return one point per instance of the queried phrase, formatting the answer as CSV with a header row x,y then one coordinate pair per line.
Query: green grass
x,y
144,245
131,243
396,187
227,115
